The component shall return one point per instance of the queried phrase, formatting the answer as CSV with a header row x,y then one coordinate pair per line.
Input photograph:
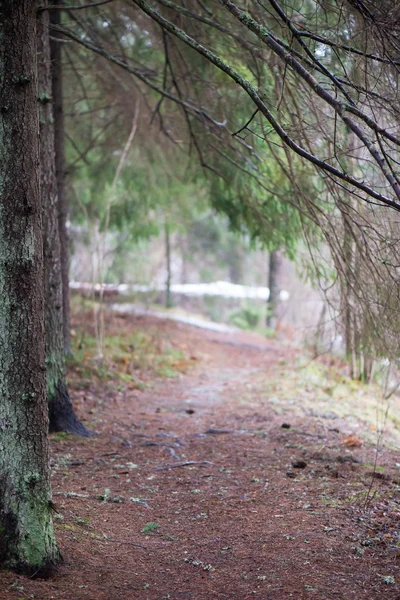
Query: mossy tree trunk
x,y
61,413
27,541
59,146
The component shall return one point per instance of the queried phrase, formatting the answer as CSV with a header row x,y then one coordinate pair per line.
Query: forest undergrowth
x,y
223,466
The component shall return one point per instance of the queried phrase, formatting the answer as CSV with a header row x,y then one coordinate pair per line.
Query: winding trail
x,y
194,490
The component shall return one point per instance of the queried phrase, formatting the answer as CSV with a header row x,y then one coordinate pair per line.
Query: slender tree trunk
x,y
61,413
346,297
27,541
168,300
184,252
59,128
275,264
235,263
320,332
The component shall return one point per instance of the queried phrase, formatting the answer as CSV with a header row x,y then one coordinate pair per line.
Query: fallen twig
x,y
219,431
202,463
72,495
314,435
105,497
127,543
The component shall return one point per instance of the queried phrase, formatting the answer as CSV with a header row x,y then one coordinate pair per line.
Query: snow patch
x,y
224,289
188,320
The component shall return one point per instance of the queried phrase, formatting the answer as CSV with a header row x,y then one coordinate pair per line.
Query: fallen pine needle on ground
x,y
291,501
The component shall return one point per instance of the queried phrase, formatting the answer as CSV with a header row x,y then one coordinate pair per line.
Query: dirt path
x,y
194,490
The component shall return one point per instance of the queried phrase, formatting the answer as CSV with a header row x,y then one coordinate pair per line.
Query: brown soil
x,y
239,507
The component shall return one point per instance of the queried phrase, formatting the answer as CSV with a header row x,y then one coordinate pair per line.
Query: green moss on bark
x,y
27,541
62,416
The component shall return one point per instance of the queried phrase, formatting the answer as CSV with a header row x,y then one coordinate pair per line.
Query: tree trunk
x,y
275,264
27,541
168,300
61,413
346,297
235,263
59,146
182,241
320,331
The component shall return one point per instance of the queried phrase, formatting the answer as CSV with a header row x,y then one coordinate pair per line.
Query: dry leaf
x,y
351,441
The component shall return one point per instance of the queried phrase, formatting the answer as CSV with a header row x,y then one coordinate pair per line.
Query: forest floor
x,y
225,466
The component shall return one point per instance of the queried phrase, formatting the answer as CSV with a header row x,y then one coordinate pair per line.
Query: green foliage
x,y
131,360
262,203
151,526
255,189
246,318
166,183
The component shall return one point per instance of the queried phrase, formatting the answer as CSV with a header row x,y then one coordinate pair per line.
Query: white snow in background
x,y
224,289
195,321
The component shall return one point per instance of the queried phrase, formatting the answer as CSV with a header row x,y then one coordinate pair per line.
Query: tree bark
x,y
235,263
168,299
275,263
349,315
61,413
27,541
59,146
